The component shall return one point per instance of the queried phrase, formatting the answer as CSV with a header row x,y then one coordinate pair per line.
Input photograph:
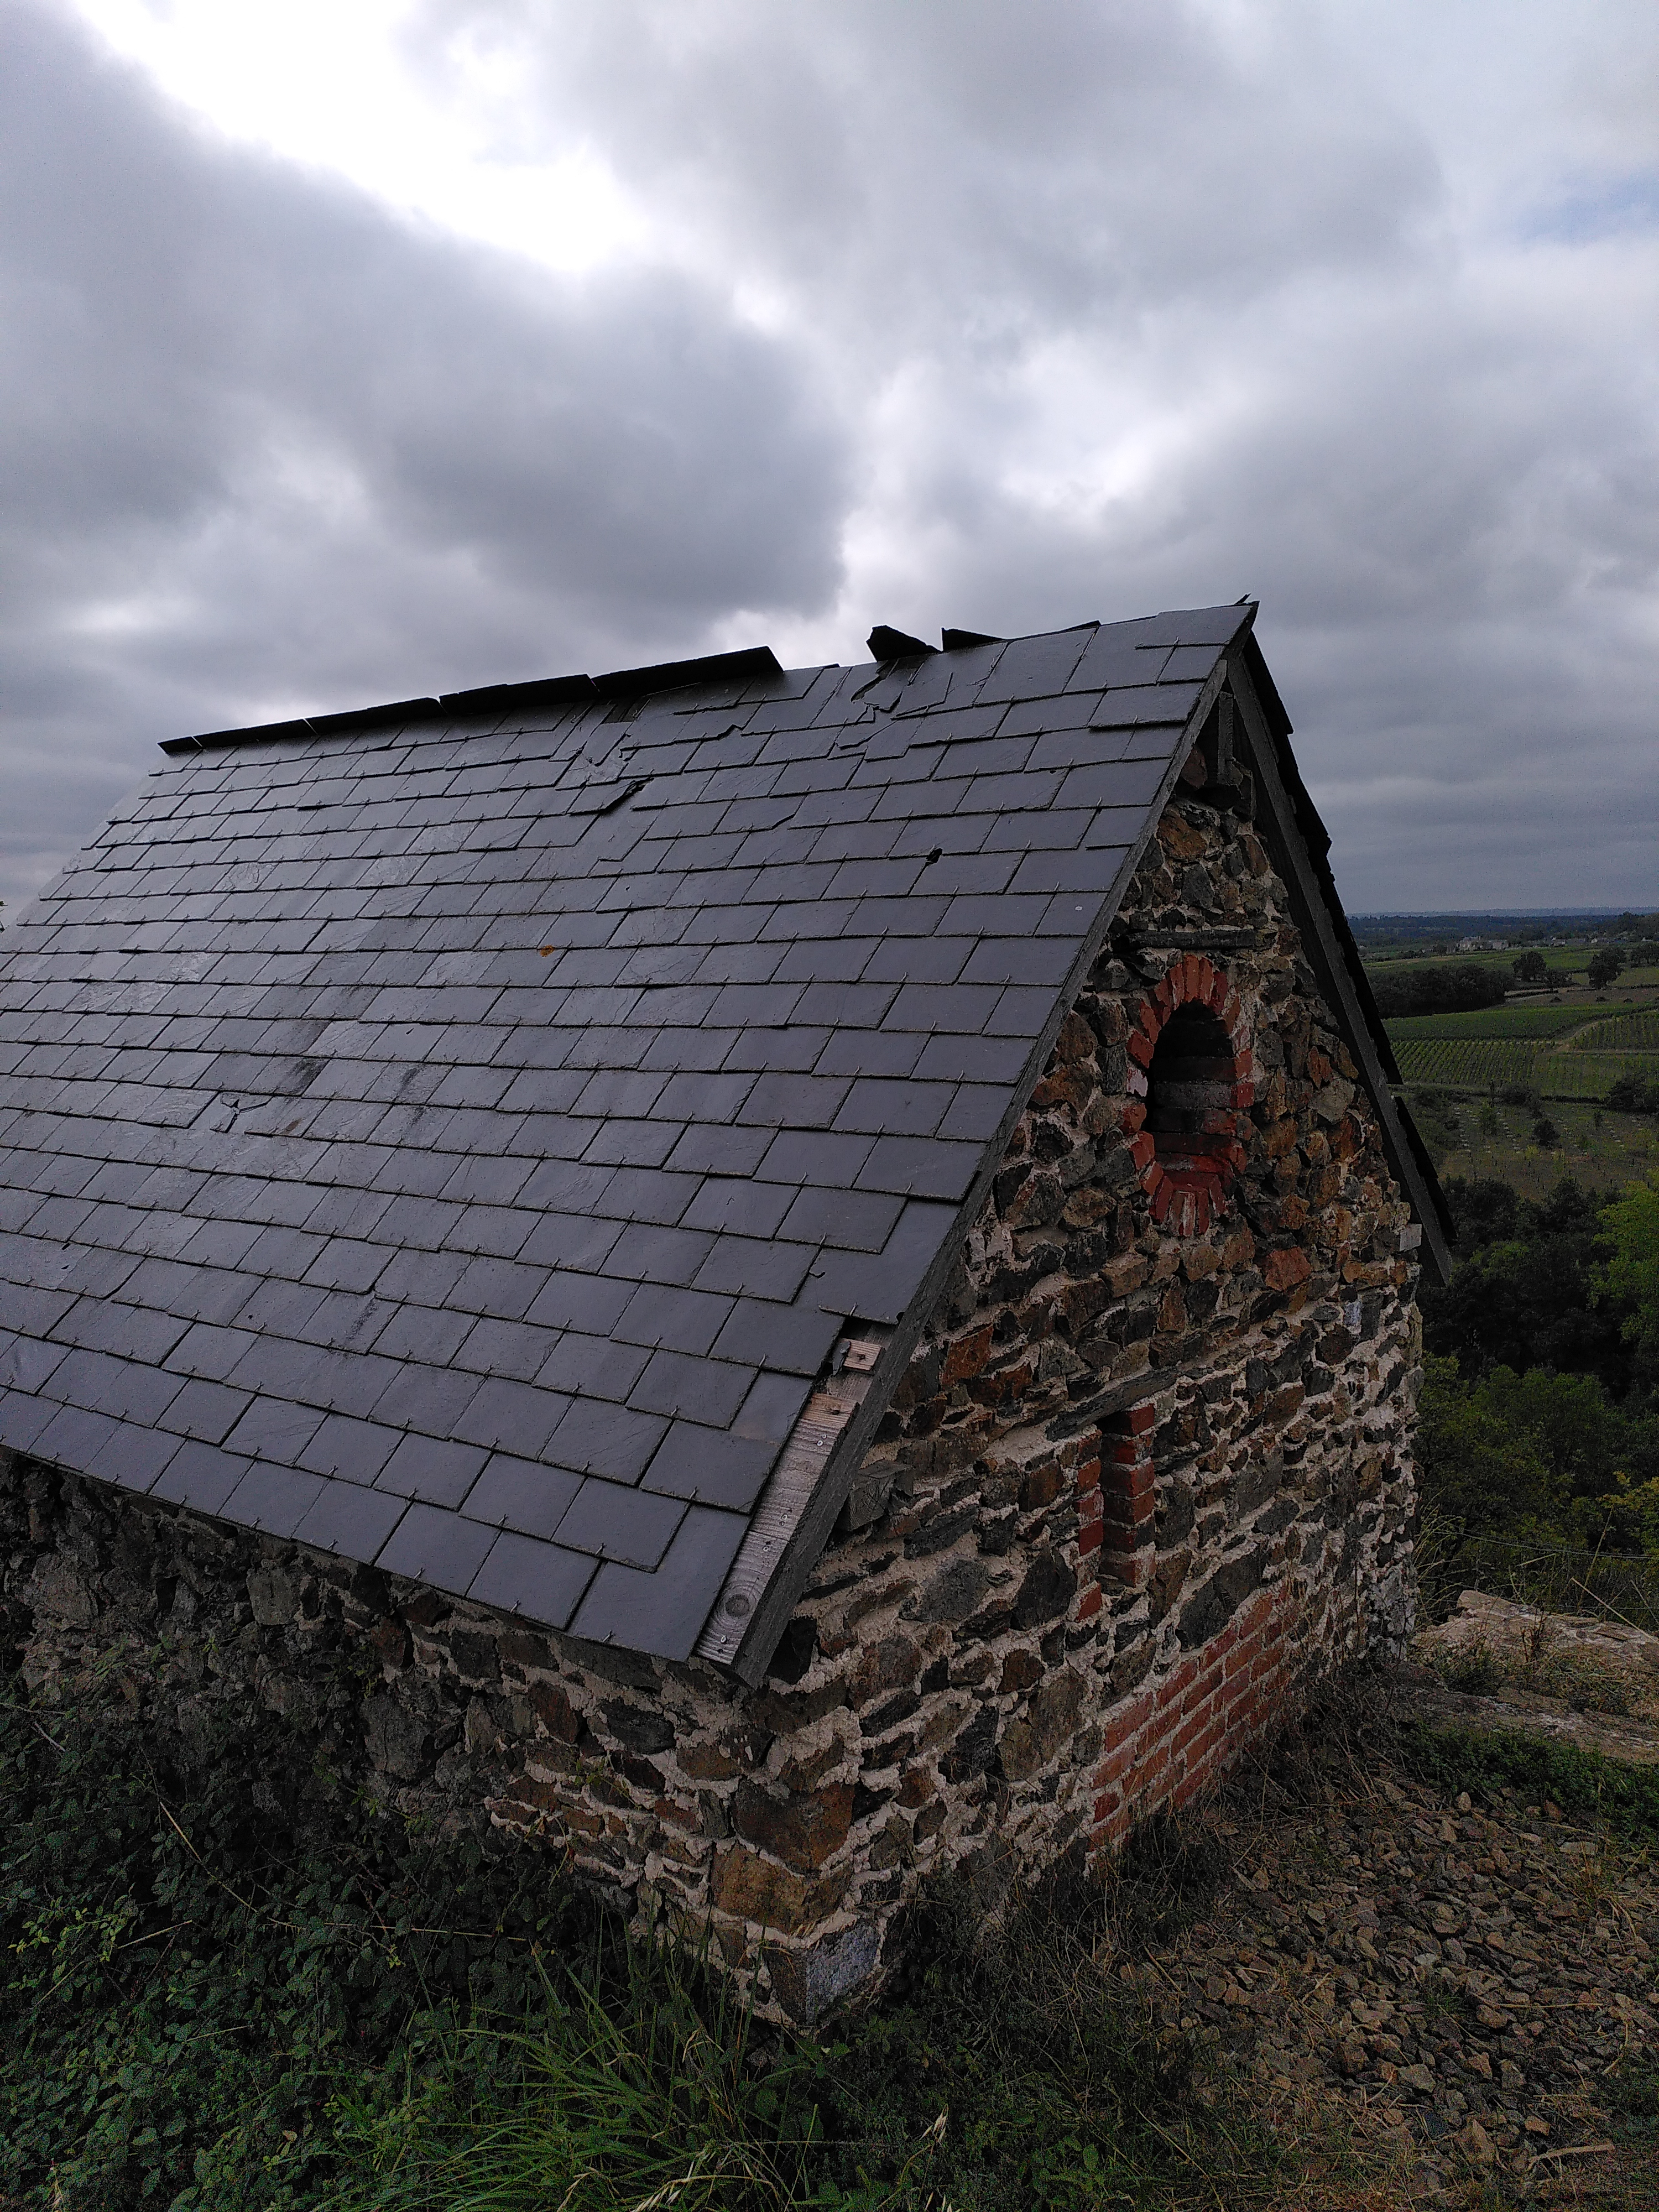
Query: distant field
x,y
1637,1032
1478,1063
1487,1022
1464,1063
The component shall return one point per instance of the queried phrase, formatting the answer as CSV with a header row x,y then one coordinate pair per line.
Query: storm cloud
x,y
961,312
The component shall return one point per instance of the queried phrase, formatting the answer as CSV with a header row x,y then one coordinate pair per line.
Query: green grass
x,y
1578,1781
223,1993
1602,1149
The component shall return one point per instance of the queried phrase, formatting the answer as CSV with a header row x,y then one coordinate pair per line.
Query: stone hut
x,y
769,1280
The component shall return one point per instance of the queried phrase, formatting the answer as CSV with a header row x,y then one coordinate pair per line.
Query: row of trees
x,y
1605,966
1454,990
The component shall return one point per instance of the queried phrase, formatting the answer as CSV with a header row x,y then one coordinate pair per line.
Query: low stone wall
x,y
1142,1481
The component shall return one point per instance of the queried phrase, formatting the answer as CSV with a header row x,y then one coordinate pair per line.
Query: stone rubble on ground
x,y
1452,1985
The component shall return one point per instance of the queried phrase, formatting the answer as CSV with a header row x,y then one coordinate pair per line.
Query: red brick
x,y
1088,1605
1192,1729
1116,1764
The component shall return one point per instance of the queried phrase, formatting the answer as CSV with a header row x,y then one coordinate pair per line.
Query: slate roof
x,y
456,1134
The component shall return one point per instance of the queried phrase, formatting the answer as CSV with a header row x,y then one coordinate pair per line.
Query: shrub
x,y
1633,1094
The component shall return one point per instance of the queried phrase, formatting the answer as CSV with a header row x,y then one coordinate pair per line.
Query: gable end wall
x,y
1144,1479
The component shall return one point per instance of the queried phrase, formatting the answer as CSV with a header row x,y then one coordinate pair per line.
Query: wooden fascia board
x,y
1324,929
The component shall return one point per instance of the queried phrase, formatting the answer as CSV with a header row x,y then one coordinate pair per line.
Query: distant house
x,y
808,1273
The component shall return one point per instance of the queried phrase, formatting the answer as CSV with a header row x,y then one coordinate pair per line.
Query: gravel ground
x,y
1447,1987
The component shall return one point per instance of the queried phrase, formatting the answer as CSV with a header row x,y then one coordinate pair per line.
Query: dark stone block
x,y
639,1727
1047,1590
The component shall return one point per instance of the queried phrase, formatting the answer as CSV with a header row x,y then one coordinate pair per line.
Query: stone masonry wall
x,y
1147,1474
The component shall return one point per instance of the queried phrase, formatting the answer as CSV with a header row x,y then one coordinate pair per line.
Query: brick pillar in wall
x,y
1126,1497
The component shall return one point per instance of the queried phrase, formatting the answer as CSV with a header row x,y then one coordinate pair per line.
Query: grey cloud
x,y
263,445
1084,309
990,166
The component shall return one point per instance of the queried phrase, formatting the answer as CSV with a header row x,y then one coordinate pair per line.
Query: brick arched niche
x,y
1192,1077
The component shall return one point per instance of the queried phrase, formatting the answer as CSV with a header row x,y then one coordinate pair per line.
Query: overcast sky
x,y
352,349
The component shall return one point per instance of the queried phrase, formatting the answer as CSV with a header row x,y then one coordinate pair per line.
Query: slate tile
x,y
614,1522
725,1151
858,1220
663,1613
275,1428
201,1476
871,1053
541,1089
522,1494
710,1466
216,1353
354,1522
598,1439
762,1333
580,1302
967,1059
504,1289
73,1437
975,1112
670,1314
938,959
513,1417
430,1545
543,1582
274,1499
429,1398
1021,1012
507,1347
564,1241
777,1051
757,1266
27,1364
681,1387
957,1005
633,1144
23,1418
1094,873
354,1451
820,1157
593,1367
495,1232
128,1331
879,1287
1021,960
877,1107
648,1194
437,1471
133,1456
423,1335
206,1411
921,1167
736,1206
565,1187
794,1102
